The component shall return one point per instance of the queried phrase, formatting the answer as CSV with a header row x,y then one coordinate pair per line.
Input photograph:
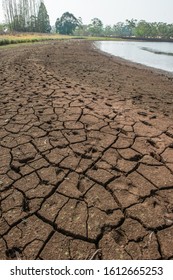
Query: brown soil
x,y
86,155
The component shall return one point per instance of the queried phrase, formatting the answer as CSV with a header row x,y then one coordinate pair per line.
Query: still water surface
x,y
154,54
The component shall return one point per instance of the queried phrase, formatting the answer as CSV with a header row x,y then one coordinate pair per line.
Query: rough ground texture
x,y
86,155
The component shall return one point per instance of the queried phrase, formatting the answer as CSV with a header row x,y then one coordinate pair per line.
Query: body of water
x,y
154,54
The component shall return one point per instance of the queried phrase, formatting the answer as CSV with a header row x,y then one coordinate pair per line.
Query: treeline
x,y
32,16
131,28
26,16
69,24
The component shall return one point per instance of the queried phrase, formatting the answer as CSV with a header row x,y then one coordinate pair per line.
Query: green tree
x,y
43,22
33,27
66,24
119,29
81,30
108,31
143,29
130,26
169,33
154,32
2,28
164,30
96,27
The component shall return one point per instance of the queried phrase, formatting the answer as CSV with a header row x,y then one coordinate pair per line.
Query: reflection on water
x,y
155,54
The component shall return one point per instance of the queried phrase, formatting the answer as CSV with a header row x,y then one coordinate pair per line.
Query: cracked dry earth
x,y
86,156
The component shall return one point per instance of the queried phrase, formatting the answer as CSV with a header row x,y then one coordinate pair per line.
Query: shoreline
x,y
134,64
126,78
143,39
92,42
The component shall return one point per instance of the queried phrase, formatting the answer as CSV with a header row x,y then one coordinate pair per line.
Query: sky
x,y
110,11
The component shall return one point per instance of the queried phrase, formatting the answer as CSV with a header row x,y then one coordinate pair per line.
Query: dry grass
x,y
17,38
29,38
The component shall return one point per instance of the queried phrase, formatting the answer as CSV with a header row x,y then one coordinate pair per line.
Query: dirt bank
x,y
86,155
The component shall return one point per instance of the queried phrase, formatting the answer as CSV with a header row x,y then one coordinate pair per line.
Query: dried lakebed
x,y
86,156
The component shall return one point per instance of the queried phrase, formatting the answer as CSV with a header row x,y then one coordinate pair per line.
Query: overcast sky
x,y
110,11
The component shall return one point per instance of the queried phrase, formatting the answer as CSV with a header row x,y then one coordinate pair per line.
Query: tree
x,y
43,21
130,26
118,29
143,29
3,28
66,24
33,27
96,27
26,15
169,33
8,7
108,31
81,30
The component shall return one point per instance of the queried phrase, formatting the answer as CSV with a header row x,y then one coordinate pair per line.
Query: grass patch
x,y
29,38
33,37
103,39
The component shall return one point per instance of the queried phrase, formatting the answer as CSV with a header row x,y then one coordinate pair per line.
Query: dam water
x,y
154,54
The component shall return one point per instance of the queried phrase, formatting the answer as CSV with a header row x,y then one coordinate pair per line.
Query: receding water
x,y
154,54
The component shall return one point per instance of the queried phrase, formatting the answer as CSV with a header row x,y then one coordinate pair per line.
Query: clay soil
x,y
86,155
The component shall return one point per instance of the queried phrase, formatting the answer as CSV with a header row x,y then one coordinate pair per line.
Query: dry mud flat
x,y
86,149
